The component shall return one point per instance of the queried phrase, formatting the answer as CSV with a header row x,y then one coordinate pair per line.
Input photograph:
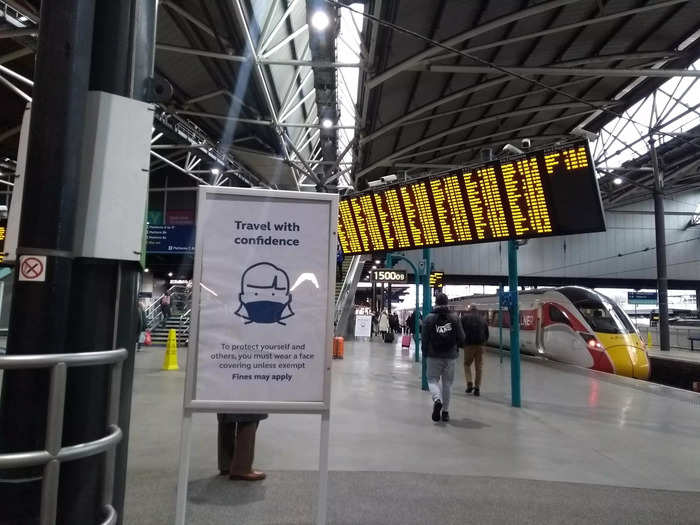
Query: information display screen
x,y
546,192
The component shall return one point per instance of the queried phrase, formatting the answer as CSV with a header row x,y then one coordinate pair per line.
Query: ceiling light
x,y
327,123
146,270
320,20
374,267
215,171
377,261
170,274
617,181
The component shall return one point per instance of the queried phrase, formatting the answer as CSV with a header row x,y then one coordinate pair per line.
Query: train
x,y
570,324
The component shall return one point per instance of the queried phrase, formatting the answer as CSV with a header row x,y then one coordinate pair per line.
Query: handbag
x,y
147,339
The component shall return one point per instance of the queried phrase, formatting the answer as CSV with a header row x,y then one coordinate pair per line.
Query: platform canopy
x,y
511,70
262,96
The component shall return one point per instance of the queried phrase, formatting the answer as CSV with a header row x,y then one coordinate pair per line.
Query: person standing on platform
x,y
442,335
410,322
165,305
236,446
383,323
476,331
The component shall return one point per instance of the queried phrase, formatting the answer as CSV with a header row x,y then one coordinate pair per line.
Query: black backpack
x,y
444,336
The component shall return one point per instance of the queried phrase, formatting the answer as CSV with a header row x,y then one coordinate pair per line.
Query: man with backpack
x,y
442,335
477,333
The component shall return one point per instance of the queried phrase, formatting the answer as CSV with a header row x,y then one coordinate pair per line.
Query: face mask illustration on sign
x,y
264,296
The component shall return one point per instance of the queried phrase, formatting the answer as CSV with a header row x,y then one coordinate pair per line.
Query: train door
x,y
539,335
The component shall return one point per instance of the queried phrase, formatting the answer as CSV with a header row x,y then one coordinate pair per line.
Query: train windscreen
x,y
600,312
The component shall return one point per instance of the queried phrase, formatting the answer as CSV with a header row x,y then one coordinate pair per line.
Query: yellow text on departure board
x,y
486,205
411,217
384,221
442,207
397,222
425,212
349,241
574,158
455,198
361,223
375,233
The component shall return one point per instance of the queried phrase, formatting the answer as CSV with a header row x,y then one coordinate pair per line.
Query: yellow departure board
x,y
546,192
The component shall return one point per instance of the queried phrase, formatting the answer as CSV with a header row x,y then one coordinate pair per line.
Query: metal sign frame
x,y
192,405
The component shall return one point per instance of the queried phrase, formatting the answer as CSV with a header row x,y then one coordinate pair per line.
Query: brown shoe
x,y
248,476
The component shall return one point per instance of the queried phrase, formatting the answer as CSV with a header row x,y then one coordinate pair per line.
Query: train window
x,y
600,312
557,316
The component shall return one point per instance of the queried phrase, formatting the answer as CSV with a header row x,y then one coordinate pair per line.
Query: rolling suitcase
x,y
388,337
406,341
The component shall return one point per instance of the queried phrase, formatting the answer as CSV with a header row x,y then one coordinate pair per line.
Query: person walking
x,y
236,446
476,332
442,335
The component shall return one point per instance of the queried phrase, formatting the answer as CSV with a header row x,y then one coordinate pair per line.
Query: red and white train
x,y
571,324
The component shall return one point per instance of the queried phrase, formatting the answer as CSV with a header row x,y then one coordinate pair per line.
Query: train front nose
x,y
629,361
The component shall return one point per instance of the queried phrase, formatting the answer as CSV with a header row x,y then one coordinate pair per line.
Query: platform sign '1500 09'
x,y
389,276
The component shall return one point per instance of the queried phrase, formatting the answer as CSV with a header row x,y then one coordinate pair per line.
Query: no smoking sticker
x,y
32,268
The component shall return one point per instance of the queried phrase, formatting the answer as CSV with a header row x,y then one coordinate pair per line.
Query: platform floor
x,y
586,447
678,355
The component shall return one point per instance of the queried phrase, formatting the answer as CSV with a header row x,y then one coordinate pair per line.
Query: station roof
x,y
428,109
254,80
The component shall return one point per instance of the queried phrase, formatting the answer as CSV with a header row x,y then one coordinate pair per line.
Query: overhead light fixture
x,y
377,261
617,181
146,270
374,267
320,20
327,123
170,274
215,171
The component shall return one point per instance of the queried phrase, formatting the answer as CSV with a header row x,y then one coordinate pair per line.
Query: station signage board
x,y
437,279
642,297
547,192
388,275
170,238
262,306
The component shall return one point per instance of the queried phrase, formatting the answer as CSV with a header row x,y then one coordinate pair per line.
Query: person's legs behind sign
x,y
237,445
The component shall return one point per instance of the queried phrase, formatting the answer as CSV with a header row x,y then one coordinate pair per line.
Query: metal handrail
x,y
181,331
55,454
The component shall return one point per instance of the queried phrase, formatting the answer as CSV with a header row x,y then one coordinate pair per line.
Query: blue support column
x,y
389,263
500,324
514,323
427,308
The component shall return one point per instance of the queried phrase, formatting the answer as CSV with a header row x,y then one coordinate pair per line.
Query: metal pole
x,y
514,323
500,324
427,308
660,229
388,302
41,310
416,315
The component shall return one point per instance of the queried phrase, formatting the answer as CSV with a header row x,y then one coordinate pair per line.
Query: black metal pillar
x,y
39,319
123,60
389,297
660,228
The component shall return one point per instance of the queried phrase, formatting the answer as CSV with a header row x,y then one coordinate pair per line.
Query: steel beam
x,y
559,29
7,71
493,118
9,57
466,35
14,89
561,71
19,32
